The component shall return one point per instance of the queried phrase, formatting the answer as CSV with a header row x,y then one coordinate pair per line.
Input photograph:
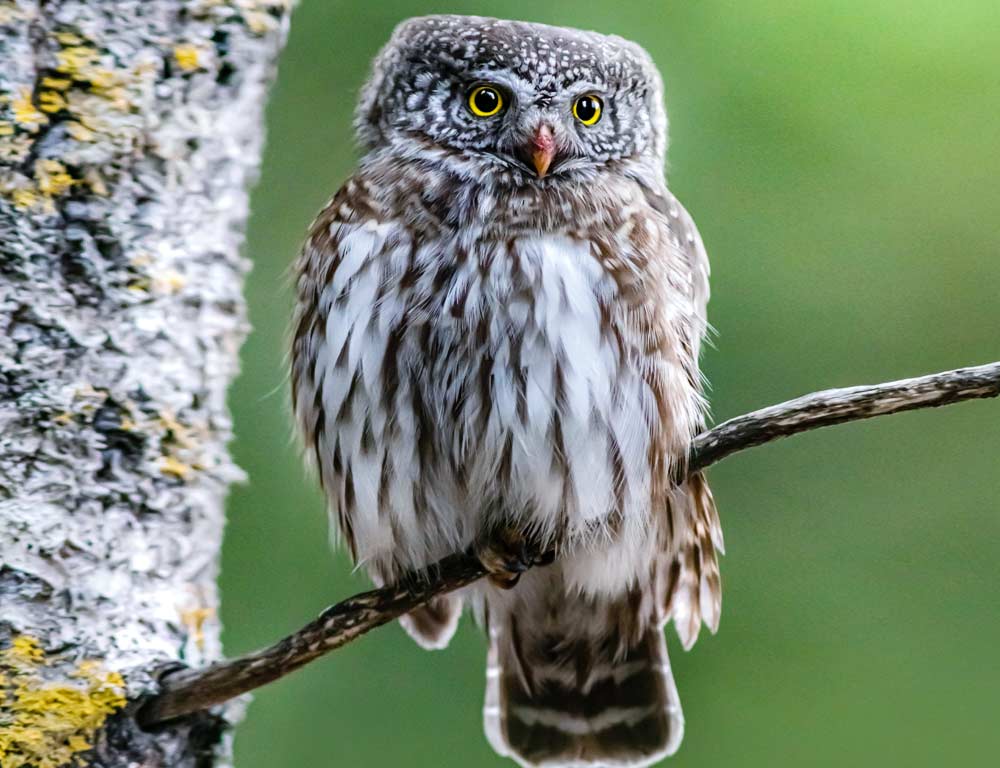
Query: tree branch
x,y
191,690
837,406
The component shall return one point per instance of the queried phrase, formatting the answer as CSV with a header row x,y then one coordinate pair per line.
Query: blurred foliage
x,y
841,158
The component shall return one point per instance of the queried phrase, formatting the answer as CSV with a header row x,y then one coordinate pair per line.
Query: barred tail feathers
x,y
581,698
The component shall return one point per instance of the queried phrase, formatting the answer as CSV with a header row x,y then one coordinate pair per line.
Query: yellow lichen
x,y
176,431
26,114
79,131
187,56
51,101
81,63
24,651
49,717
52,178
24,198
77,61
68,38
97,100
194,619
174,467
57,83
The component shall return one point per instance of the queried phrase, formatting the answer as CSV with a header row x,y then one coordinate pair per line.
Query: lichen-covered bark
x,y
129,132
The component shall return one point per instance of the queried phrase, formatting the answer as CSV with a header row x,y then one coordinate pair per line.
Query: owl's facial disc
x,y
513,103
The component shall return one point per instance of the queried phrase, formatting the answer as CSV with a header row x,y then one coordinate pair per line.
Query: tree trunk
x,y
129,132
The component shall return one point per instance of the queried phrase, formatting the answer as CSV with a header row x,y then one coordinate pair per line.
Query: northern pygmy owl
x,y
496,346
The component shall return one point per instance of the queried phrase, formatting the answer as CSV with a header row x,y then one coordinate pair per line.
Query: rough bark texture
x,y
129,132
190,690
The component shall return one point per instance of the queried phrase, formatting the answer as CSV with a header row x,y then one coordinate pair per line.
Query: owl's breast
x,y
538,401
440,381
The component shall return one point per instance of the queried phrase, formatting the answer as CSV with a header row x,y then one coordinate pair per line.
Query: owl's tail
x,y
577,682
433,625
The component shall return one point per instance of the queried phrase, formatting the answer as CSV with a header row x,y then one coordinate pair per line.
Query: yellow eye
x,y
587,109
485,101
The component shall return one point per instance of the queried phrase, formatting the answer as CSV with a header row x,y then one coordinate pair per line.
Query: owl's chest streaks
x,y
527,395
518,338
441,373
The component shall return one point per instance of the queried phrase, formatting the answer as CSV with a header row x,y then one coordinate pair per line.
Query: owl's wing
x,y
335,365
688,571
346,389
687,246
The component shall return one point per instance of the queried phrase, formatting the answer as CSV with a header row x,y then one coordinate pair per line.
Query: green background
x,y
841,158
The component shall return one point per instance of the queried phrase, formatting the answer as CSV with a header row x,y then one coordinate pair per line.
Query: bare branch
x,y
192,690
836,406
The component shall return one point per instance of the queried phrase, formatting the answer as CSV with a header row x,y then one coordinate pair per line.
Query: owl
x,y
496,347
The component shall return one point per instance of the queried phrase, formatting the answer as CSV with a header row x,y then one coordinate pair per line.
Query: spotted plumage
x,y
496,345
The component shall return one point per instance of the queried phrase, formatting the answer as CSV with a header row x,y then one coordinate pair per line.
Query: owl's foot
x,y
508,552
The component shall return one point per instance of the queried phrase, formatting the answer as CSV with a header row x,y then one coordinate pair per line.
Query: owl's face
x,y
513,101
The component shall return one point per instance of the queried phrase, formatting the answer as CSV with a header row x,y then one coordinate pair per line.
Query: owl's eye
x,y
587,109
485,101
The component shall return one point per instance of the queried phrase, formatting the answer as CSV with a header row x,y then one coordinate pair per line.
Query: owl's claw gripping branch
x,y
192,690
508,552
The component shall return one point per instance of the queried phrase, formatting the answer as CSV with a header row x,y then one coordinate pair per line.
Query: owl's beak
x,y
543,149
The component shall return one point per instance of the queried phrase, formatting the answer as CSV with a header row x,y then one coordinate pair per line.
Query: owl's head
x,y
512,100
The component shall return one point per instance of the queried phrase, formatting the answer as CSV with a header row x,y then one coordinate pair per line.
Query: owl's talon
x,y
507,553
546,558
504,580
